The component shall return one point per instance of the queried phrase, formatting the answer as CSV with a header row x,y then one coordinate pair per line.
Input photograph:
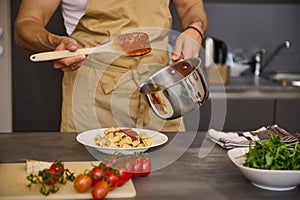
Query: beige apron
x,y
104,91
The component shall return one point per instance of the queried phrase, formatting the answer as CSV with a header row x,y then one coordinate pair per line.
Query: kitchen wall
x,y
251,27
36,87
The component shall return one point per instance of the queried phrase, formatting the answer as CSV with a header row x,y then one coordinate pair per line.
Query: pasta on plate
x,y
123,138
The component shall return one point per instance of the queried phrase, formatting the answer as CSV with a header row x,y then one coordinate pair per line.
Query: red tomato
x,y
146,166
124,175
125,170
128,166
100,190
82,183
97,175
102,165
137,165
49,176
58,168
113,178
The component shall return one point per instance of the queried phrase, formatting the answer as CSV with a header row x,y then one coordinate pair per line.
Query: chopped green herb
x,y
273,154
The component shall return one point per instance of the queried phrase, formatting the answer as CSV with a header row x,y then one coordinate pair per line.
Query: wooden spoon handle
x,y
53,55
132,44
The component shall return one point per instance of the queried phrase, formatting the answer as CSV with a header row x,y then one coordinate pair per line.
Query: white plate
x,y
87,138
277,180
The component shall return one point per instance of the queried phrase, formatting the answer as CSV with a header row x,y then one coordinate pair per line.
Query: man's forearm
x,y
192,12
33,37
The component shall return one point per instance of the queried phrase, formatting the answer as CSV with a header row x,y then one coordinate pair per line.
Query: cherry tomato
x,y
137,165
124,176
49,176
100,190
129,167
58,168
103,166
82,183
125,169
146,166
113,178
97,175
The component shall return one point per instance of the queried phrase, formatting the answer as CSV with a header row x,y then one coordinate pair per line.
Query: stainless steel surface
x,y
1,47
258,61
285,78
261,63
1,32
253,87
1,50
176,89
285,45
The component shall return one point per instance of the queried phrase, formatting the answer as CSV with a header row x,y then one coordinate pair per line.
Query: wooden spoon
x,y
132,44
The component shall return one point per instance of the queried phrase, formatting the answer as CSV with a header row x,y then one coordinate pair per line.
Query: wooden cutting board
x,y
13,184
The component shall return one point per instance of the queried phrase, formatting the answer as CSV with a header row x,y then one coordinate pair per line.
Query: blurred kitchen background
x,y
32,101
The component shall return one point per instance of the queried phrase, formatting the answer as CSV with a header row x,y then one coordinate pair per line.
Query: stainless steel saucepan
x,y
176,89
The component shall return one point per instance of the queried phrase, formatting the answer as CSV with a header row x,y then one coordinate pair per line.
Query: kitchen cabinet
x,y
247,114
287,114
239,115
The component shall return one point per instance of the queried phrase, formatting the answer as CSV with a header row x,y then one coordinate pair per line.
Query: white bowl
x,y
277,180
87,138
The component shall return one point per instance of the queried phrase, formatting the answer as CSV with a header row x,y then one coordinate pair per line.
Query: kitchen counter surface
x,y
250,86
210,176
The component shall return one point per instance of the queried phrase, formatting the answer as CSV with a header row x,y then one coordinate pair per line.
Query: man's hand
x,y
194,22
187,45
71,63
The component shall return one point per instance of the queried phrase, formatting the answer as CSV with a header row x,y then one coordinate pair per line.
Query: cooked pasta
x,y
123,138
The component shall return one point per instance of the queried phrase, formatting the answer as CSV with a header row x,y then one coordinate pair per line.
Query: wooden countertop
x,y
210,176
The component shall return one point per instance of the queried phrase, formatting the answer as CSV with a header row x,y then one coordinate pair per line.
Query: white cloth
x,y
229,140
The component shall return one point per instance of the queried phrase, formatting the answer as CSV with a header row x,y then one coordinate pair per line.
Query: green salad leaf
x,y
273,154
